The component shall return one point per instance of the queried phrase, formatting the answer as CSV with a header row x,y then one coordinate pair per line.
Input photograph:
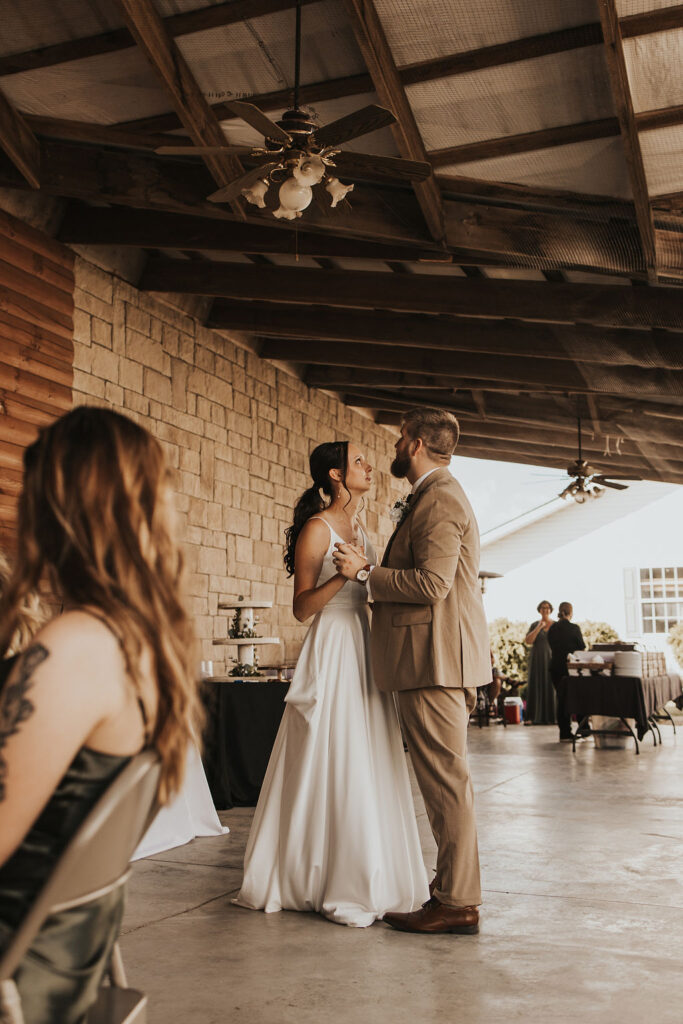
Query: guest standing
x,y
111,675
564,637
540,695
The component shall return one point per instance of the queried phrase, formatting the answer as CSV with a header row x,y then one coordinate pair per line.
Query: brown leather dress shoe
x,y
435,919
432,897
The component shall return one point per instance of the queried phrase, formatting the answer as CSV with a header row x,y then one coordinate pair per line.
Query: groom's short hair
x,y
439,430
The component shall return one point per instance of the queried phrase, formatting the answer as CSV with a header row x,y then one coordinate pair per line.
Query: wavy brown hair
x,y
94,516
32,617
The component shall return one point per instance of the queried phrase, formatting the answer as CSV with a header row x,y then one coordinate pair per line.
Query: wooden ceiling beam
x,y
235,11
483,232
527,142
544,240
549,138
533,373
646,23
555,438
608,305
560,441
19,142
96,134
459,63
618,417
154,40
144,182
85,225
621,92
415,379
585,344
537,455
595,207
279,99
378,58
200,20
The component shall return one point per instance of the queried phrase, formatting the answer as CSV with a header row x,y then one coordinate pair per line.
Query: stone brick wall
x,y
237,432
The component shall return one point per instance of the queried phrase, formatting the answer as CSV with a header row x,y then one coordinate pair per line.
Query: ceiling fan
x,y
297,154
588,482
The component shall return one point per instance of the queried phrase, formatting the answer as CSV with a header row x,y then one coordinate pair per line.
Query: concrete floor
x,y
582,865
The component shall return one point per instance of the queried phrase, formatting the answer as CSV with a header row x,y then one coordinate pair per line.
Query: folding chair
x,y
95,862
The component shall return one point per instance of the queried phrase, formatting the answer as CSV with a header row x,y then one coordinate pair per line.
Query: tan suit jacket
x,y
428,621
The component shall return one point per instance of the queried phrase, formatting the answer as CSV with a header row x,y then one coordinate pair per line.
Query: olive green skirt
x,y
59,977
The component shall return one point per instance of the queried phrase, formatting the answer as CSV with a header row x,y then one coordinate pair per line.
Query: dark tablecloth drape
x,y
619,696
242,723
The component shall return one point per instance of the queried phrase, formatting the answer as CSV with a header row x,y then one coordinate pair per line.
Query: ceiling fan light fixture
x,y
310,170
294,196
284,214
256,193
337,191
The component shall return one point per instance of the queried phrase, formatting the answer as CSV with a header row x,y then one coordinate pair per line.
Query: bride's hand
x,y
348,559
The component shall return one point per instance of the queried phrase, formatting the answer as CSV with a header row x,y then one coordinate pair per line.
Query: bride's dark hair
x,y
331,455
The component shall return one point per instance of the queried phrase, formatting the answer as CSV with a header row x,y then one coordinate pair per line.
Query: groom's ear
x,y
419,445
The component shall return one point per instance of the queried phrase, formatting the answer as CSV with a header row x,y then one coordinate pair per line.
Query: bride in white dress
x,y
334,830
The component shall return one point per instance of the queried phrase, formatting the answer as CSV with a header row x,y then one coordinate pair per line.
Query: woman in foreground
x,y
334,830
109,676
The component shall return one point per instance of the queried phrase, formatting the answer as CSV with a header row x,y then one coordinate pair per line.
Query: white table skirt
x,y
190,813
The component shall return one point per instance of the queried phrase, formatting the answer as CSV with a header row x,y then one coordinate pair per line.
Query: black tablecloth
x,y
618,696
242,722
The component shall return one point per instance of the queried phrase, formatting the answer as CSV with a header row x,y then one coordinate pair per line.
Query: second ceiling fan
x,y
586,481
297,154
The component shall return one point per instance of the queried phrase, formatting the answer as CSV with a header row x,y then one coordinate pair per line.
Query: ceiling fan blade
x,y
365,167
234,189
200,150
610,483
352,126
258,120
601,477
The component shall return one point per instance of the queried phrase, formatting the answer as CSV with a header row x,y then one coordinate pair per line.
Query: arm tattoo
x,y
15,707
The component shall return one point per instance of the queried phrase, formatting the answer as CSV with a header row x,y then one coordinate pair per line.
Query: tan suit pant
x,y
435,727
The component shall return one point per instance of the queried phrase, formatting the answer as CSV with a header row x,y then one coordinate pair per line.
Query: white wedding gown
x,y
334,829
189,814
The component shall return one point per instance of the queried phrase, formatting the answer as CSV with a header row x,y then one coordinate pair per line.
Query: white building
x,y
618,559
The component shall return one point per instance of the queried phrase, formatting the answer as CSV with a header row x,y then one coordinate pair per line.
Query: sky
x,y
498,491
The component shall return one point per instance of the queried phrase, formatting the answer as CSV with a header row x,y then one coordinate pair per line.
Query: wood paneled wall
x,y
36,348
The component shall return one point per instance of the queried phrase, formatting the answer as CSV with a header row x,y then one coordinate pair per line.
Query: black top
x,y
564,638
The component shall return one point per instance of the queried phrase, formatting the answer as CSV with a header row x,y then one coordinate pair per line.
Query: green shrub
x,y
510,653
597,633
676,641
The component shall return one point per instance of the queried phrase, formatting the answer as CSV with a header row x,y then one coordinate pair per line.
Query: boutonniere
x,y
399,510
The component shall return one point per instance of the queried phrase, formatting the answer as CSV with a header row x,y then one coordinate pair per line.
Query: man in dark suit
x,y
564,637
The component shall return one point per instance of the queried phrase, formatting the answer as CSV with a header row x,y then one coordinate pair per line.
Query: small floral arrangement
x,y
399,510
238,632
252,671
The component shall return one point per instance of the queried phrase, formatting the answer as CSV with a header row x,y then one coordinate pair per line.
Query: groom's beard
x,y
400,466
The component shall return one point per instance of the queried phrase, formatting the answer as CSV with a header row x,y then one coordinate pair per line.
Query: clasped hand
x,y
348,559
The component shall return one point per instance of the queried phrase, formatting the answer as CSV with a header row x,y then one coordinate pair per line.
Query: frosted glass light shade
x,y
294,196
337,190
309,171
256,193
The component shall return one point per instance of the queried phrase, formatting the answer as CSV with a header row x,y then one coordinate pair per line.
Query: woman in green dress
x,y
540,694
111,675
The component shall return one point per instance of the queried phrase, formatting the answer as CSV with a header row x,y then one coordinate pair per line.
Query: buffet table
x,y
242,723
620,697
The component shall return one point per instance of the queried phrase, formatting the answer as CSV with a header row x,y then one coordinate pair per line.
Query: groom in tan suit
x,y
430,643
